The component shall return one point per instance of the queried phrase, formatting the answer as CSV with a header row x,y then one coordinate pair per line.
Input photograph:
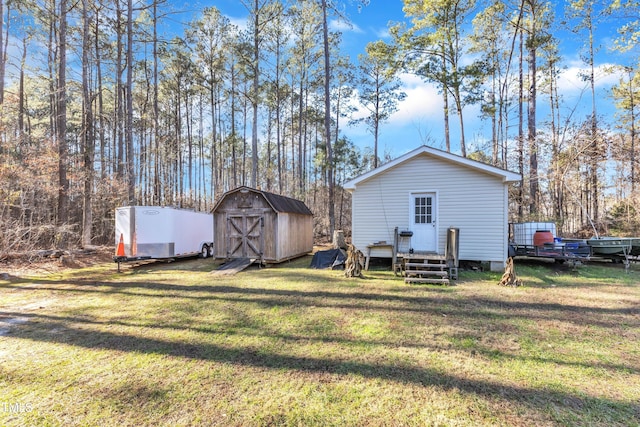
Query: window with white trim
x,y
423,210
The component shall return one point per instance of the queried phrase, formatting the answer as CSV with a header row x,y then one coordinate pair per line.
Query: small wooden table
x,y
376,246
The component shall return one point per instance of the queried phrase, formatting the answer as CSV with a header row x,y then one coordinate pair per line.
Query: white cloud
x,y
572,80
422,101
417,121
344,26
241,23
383,33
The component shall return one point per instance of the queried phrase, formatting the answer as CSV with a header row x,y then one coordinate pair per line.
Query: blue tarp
x,y
332,258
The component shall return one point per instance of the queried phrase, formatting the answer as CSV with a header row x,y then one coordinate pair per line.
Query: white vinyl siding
x,y
468,199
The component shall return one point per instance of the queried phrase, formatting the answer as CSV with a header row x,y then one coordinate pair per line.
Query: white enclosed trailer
x,y
155,232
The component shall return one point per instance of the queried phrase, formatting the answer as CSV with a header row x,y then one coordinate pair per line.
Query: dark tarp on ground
x,y
332,258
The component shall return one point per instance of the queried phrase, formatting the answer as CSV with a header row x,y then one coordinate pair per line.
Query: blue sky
x,y
419,119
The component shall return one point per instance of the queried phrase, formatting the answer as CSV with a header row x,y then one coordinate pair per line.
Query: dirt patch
x,y
51,261
7,324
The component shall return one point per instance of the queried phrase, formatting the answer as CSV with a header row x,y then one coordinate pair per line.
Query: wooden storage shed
x,y
250,223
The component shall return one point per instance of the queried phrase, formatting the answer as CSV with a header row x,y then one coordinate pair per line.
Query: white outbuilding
x,y
423,194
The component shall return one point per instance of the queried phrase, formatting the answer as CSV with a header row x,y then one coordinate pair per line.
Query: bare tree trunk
x,y
556,184
61,120
279,142
87,131
445,103
189,125
4,45
52,57
301,135
131,176
531,135
119,144
3,55
595,146
21,94
632,154
221,152
305,145
101,121
214,127
463,144
268,166
327,117
254,97
233,126
157,187
376,125
521,126
201,188
244,135
179,161
496,161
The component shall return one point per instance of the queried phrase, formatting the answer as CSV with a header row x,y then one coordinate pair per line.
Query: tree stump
x,y
509,277
355,262
338,240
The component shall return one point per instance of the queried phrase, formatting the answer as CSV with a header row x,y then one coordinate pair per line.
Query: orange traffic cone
x,y
120,248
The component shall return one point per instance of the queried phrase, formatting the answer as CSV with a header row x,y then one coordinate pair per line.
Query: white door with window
x,y
423,222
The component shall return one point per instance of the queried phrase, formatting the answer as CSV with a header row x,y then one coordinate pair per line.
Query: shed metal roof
x,y
286,204
278,202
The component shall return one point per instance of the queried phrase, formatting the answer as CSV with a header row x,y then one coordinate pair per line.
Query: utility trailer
x,y
522,242
156,232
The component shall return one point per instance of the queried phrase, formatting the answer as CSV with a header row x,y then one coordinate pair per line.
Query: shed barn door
x,y
245,237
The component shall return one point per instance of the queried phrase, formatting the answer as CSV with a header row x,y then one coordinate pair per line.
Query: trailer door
x,y
125,229
245,237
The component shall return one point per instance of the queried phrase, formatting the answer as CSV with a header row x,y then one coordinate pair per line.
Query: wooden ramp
x,y
234,266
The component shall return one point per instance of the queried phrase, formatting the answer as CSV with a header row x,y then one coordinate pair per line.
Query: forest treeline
x,y
99,108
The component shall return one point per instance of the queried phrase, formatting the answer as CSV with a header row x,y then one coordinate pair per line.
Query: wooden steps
x,y
432,270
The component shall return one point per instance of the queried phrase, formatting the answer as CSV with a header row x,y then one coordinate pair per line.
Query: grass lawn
x,y
172,344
